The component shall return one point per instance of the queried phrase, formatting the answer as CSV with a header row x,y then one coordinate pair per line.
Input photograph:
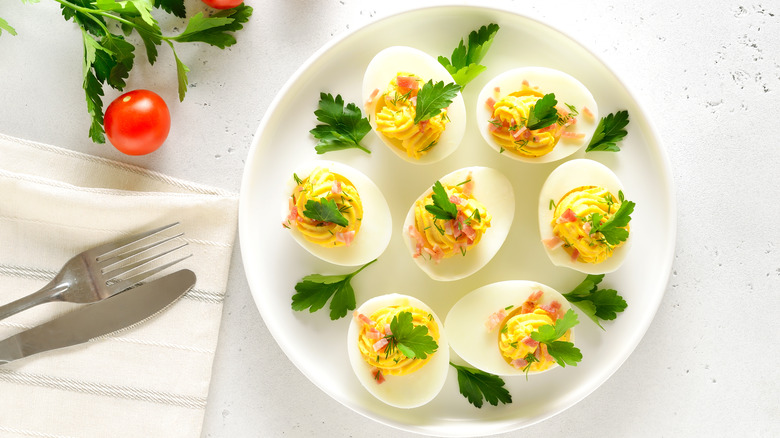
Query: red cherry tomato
x,y
137,122
223,4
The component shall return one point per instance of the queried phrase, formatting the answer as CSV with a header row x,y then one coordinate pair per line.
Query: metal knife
x,y
99,319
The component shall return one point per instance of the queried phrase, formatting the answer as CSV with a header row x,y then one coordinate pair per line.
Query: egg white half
x,y
410,390
567,89
376,228
384,67
495,192
465,323
568,176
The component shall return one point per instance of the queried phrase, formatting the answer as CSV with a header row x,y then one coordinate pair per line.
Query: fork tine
x,y
105,249
120,286
118,257
129,267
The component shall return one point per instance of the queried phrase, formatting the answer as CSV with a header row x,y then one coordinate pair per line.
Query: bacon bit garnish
x,y
436,254
373,333
519,363
495,125
292,217
377,373
470,233
468,187
380,344
587,112
346,237
359,317
553,242
523,133
497,90
530,302
535,295
567,216
575,135
529,341
490,103
586,227
553,309
574,255
406,82
494,320
525,83
423,125
545,354
335,188
372,96
388,332
418,240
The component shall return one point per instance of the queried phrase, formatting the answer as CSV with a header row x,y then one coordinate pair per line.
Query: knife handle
x,y
45,295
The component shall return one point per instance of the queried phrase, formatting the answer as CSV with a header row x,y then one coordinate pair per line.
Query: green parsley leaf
x,y
324,211
343,126
4,26
565,353
543,113
181,73
214,29
433,98
442,207
610,130
612,229
478,385
413,341
314,290
464,65
598,304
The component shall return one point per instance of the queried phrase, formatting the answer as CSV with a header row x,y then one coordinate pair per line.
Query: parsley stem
x,y
89,12
361,268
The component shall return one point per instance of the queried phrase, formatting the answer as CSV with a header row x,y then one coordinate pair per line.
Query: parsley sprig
x,y
564,352
442,207
433,98
413,341
478,385
598,304
343,125
613,228
543,113
610,130
464,65
324,211
314,290
109,57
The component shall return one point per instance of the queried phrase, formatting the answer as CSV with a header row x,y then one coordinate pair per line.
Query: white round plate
x,y
274,263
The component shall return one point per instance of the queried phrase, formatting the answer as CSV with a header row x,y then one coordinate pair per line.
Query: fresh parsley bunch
x,y
109,57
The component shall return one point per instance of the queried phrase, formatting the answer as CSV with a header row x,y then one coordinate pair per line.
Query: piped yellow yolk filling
x,y
322,183
572,223
395,112
390,361
515,342
509,120
440,238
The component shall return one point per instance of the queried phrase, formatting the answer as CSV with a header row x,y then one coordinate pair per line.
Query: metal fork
x,y
96,273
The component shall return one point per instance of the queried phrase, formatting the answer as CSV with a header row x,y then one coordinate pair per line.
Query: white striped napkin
x,y
149,381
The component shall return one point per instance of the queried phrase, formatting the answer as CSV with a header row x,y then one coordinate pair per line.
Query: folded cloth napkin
x,y
149,381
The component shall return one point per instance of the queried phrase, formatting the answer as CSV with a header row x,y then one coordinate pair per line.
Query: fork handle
x,y
48,293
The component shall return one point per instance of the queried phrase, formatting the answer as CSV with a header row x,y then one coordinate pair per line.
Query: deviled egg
x,y
490,327
391,84
387,367
336,213
536,114
455,227
583,217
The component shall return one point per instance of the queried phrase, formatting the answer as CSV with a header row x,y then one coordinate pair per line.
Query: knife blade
x,y
100,318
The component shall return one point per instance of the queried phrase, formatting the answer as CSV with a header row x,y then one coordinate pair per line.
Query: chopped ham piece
x,y
468,187
530,342
567,216
456,200
519,363
406,82
552,308
587,112
372,96
470,233
553,242
576,135
522,133
388,332
346,237
373,333
418,240
535,295
494,125
335,188
362,318
586,227
380,344
377,373
574,255
436,253
490,103
423,125
494,320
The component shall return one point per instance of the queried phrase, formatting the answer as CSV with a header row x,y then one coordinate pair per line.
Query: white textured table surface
x,y
708,72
